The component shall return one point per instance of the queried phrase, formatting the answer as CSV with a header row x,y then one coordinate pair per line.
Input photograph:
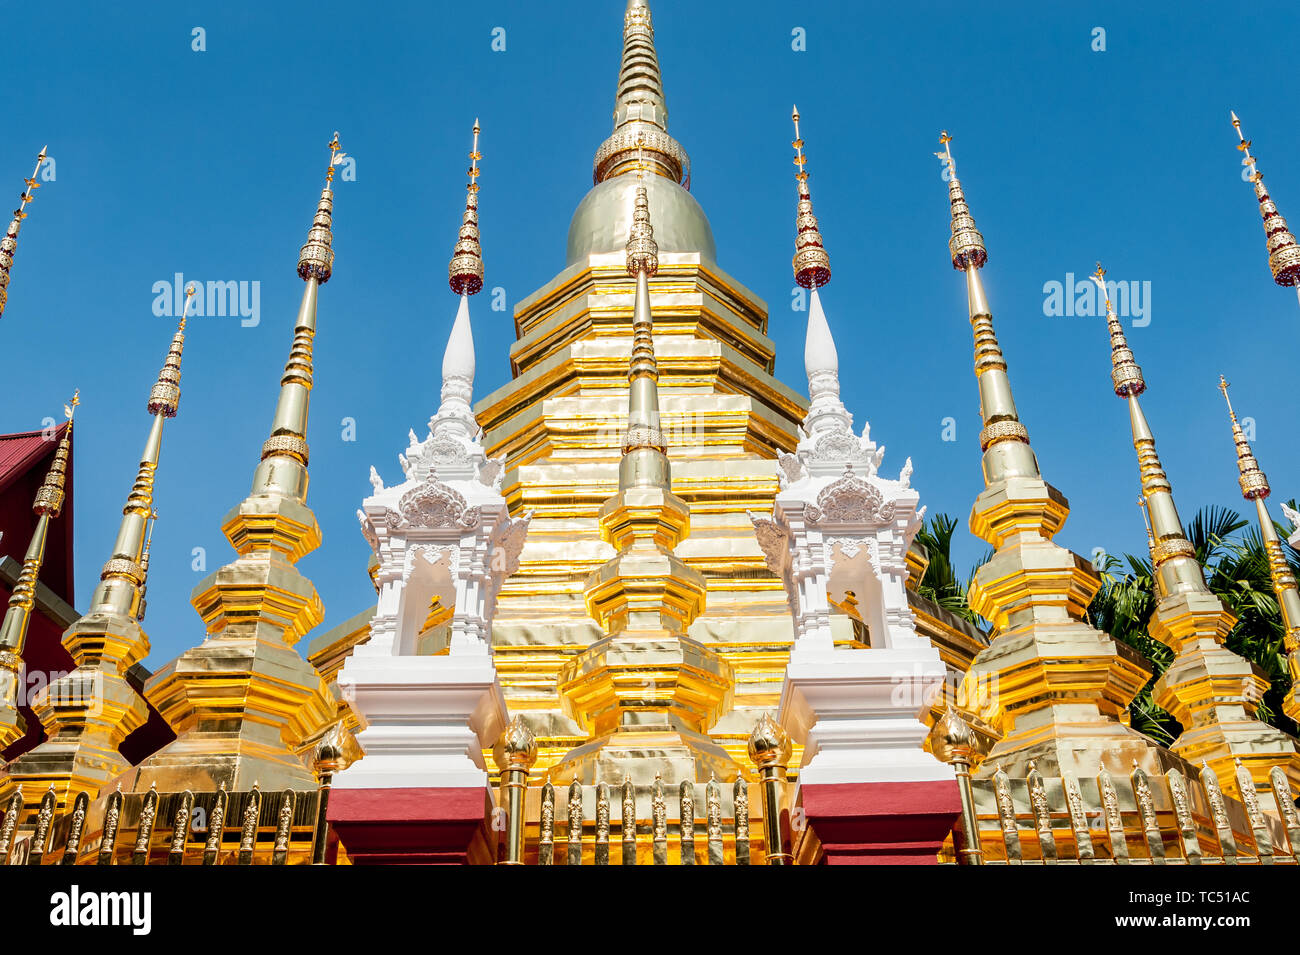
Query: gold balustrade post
x,y
959,744
769,748
328,760
515,754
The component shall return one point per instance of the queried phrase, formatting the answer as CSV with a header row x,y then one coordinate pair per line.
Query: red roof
x,y
18,452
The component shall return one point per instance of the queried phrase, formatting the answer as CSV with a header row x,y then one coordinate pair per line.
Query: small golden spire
x,y
812,263
49,497
165,396
1283,251
9,244
1252,480
1146,521
465,271
13,630
1125,374
967,244
316,259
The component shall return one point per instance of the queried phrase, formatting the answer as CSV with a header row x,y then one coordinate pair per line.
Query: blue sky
x,y
209,163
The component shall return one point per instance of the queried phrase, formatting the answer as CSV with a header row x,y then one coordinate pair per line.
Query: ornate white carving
x,y
444,534
838,527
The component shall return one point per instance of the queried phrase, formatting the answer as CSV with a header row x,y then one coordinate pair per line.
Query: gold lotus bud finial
x,y
812,263
769,744
1283,250
1125,373
516,750
465,271
1254,485
328,757
165,395
9,244
966,246
336,157
50,495
955,733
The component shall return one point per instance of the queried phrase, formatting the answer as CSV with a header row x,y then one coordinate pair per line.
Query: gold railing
x,y
1138,819
688,823
153,828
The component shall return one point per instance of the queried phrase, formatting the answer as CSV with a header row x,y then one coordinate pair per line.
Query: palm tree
x,y
940,583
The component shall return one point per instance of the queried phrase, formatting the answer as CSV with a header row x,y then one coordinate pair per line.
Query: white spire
x,y
455,417
821,362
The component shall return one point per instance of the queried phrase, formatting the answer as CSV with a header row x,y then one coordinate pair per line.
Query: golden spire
x,y
144,560
1283,252
1254,487
283,467
812,265
1003,439
640,110
1173,556
122,580
465,271
643,429
13,632
1146,522
9,244
1209,690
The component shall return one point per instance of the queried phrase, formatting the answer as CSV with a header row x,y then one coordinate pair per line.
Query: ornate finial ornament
x,y
165,396
1283,251
1252,480
812,264
967,244
316,259
465,271
9,244
769,743
1146,521
49,497
642,250
516,751
640,111
955,734
1125,372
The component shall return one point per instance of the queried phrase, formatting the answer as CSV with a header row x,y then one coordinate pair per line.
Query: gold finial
x,y
465,271
336,157
165,396
642,250
812,263
9,244
1125,373
966,246
50,495
1146,521
316,258
1283,250
1254,485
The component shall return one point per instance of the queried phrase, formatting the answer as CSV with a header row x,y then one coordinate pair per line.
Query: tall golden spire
x,y
1004,440
1063,688
1283,252
88,713
244,705
47,505
644,440
465,270
1254,487
646,691
812,265
640,111
123,576
283,468
9,244
1207,688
